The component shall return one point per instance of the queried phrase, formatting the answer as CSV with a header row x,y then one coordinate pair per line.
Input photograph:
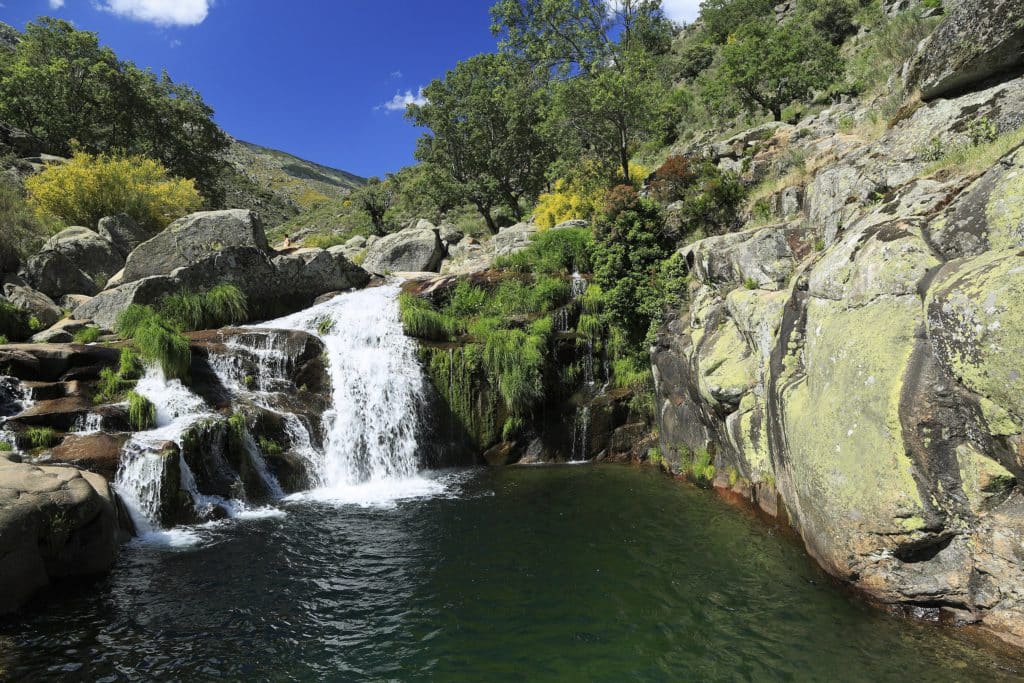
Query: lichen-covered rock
x,y
87,251
195,238
976,40
55,523
55,275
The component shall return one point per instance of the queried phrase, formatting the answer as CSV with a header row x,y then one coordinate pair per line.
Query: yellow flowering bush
x,y
579,198
88,187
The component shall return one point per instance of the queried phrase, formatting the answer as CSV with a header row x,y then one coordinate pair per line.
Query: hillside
x,y
280,185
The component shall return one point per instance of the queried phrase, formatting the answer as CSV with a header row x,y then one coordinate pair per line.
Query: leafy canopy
x,y
60,85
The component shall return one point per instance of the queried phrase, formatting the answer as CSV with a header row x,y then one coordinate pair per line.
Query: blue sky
x,y
322,79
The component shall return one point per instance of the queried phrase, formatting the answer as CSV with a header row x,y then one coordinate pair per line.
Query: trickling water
x,y
588,363
581,434
377,390
579,285
90,423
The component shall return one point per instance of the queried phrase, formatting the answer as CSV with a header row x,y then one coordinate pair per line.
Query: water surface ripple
x,y
545,573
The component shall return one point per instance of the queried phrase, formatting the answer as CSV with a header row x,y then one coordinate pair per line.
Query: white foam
x,y
375,493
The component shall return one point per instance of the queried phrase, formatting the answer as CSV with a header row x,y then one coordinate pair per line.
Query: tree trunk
x,y
485,211
777,113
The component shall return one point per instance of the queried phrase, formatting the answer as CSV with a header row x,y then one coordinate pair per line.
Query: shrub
x,y
40,437
86,188
157,340
567,201
618,199
21,230
4,340
722,18
552,251
674,178
419,319
833,19
141,412
87,335
222,305
6,447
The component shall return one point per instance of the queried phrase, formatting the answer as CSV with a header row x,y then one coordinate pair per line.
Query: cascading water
x,y
140,475
371,431
581,434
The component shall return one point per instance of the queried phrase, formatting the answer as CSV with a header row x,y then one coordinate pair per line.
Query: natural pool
x,y
568,573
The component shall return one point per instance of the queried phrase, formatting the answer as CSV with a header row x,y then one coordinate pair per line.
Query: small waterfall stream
x,y
371,431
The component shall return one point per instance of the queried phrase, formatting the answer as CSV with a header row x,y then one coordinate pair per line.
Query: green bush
x,y
420,319
6,447
21,231
141,412
39,437
87,335
222,305
156,339
552,252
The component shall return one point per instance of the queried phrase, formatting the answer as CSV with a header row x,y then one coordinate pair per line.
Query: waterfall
x,y
139,478
581,434
578,285
371,431
90,423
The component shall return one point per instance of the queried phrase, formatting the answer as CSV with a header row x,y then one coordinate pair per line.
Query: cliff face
x,y
856,367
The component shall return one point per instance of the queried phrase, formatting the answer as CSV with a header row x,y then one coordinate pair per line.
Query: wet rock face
x,y
872,391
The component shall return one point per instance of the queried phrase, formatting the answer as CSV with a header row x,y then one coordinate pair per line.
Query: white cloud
x,y
396,74
681,11
402,100
159,12
54,4
175,43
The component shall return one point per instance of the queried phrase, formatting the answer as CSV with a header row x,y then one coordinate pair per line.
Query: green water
x,y
539,573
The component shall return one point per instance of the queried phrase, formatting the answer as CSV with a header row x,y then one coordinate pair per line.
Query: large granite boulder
x,y
55,523
411,250
977,40
123,232
36,304
74,261
285,284
194,238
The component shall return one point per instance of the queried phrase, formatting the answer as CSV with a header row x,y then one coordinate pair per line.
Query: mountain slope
x,y
280,185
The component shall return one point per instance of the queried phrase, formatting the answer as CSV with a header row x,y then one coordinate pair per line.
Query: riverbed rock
x,y
55,523
193,239
976,40
87,251
55,275
98,452
415,249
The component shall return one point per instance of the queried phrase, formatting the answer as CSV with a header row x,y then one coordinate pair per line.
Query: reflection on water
x,y
556,573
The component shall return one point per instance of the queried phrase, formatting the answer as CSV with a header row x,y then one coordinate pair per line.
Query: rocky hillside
x,y
851,364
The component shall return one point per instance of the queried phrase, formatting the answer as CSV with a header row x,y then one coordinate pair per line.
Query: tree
x,y
572,36
769,66
611,111
722,18
375,198
59,84
485,133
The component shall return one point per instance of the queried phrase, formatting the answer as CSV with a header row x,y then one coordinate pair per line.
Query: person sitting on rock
x,y
287,241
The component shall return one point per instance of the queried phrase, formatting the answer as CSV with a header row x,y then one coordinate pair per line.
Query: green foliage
x,y
420,319
701,468
219,306
769,66
237,425
39,437
141,412
270,447
4,340
110,387
86,188
60,85
750,283
157,339
374,199
87,335
723,18
832,19
21,230
486,143
6,447
890,43
325,326
130,365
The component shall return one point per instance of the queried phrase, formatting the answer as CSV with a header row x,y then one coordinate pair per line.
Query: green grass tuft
x,y
157,340
6,447
270,447
40,437
222,305
141,412
87,335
